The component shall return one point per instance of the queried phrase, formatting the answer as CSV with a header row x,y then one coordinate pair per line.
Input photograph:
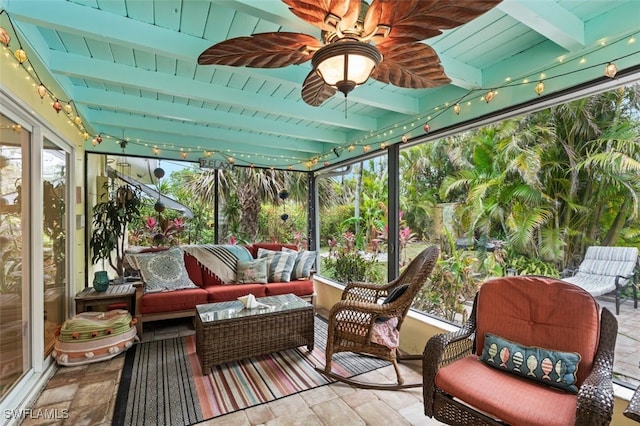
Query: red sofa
x,y
182,303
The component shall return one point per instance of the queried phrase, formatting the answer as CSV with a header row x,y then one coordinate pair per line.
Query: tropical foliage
x,y
539,188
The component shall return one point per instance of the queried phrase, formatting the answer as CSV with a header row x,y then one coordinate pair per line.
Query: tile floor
x,y
88,394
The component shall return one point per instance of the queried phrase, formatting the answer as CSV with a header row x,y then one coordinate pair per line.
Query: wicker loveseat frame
x,y
593,404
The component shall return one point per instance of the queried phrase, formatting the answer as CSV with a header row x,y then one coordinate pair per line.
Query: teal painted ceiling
x,y
129,68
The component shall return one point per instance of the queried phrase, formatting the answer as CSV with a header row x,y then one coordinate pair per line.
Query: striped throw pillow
x,y
304,262
279,265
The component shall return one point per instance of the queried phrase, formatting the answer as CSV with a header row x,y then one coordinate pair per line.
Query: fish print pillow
x,y
553,368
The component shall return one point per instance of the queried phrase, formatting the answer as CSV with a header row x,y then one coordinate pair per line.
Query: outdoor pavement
x,y
626,361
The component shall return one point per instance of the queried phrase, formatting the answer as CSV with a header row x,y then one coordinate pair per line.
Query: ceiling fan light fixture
x,y
346,64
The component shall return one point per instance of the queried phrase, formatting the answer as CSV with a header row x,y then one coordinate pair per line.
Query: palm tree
x,y
556,181
596,167
243,190
504,194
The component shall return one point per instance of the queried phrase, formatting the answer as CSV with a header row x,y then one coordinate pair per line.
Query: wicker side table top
x,y
234,309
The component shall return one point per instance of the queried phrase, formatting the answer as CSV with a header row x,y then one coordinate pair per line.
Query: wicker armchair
x,y
537,312
353,319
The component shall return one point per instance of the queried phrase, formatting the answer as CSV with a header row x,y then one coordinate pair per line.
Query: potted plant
x,y
110,220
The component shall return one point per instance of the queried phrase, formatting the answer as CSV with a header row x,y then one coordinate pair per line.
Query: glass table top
x,y
234,309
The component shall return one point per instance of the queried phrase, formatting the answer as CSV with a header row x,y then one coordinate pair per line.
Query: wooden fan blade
x,y
422,19
316,12
315,91
265,50
416,66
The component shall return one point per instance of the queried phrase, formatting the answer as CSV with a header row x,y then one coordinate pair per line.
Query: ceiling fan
x,y
381,40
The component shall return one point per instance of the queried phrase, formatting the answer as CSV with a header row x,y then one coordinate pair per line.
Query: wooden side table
x,y
116,293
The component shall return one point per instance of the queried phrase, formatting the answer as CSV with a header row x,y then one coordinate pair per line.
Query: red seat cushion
x,y
298,287
170,301
505,396
224,293
543,312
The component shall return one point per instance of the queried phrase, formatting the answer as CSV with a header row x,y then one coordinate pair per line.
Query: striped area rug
x,y
162,382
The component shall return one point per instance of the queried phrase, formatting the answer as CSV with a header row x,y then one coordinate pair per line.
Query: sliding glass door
x,y
54,242
14,272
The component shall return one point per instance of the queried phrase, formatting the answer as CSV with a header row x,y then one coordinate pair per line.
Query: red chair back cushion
x,y
540,311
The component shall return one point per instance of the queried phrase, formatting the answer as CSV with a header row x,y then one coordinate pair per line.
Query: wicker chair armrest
x,y
440,350
364,292
443,349
357,318
595,396
633,409
363,309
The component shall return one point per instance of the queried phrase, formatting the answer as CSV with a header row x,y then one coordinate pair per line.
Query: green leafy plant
x,y
523,265
347,267
452,284
110,221
346,264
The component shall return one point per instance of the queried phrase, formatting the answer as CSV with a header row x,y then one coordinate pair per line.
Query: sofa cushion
x,y
279,264
172,301
495,391
554,368
543,312
303,264
163,271
224,293
252,271
298,287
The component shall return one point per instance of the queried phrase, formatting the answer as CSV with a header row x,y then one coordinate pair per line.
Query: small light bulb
x,y
489,96
610,70
42,91
20,55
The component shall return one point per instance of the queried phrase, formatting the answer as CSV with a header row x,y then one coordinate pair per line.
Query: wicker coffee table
x,y
227,332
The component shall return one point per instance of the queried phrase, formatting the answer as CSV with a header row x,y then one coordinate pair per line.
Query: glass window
x,y
528,196
353,223
14,289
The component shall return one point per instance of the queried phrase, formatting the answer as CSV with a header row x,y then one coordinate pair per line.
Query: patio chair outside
x,y
608,269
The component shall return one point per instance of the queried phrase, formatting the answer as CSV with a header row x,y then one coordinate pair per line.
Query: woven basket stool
x,y
94,336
